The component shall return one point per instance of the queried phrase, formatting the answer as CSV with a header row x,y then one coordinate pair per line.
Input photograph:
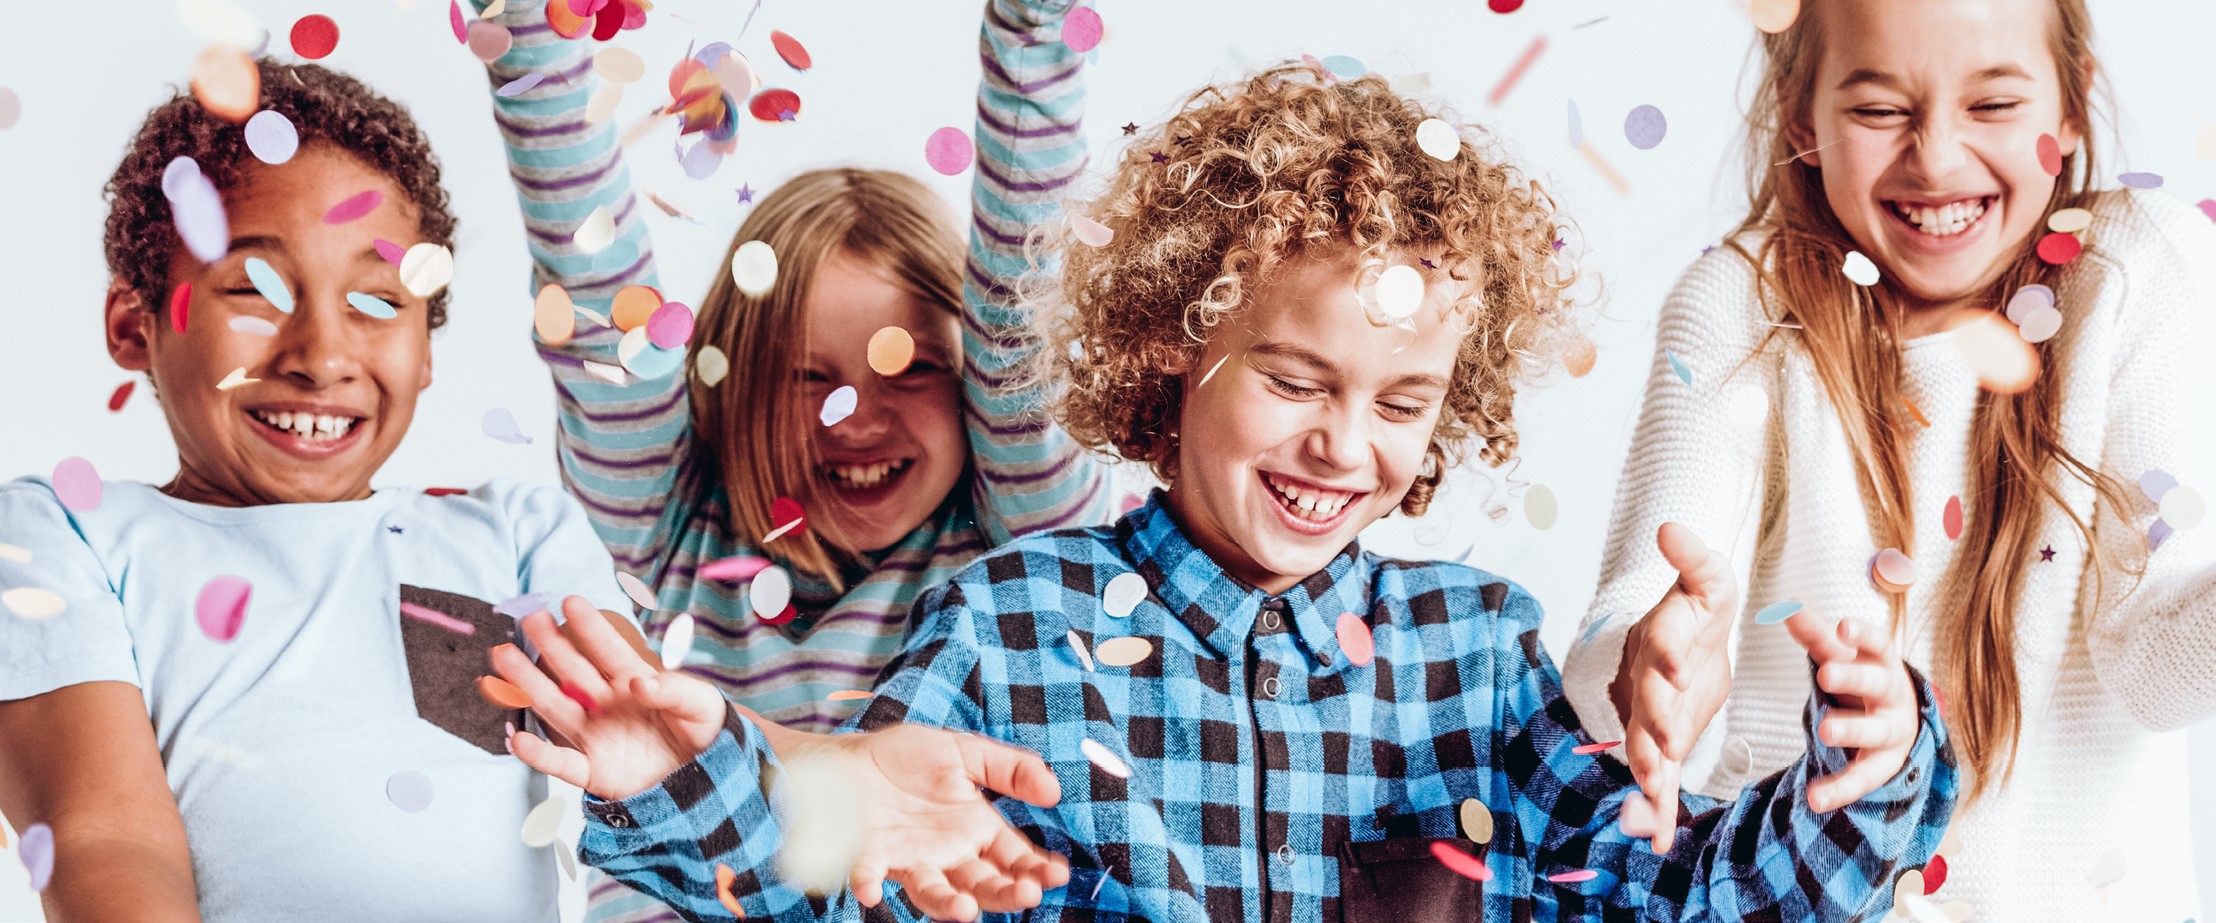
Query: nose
x,y
1341,436
1938,149
872,417
315,346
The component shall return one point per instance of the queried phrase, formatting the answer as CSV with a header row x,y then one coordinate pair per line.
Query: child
x,y
2067,626
249,694
1249,716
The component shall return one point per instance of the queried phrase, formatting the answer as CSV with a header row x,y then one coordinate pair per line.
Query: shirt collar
x,y
1220,609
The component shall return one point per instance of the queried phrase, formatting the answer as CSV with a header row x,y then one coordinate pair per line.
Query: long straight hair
x,y
753,423
1852,337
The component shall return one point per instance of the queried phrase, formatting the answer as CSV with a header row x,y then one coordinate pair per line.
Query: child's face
x,y
326,359
1928,115
890,464
1313,429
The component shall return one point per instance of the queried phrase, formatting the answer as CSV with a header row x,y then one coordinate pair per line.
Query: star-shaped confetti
x,y
396,530
1130,128
1159,157
1427,264
2046,554
746,194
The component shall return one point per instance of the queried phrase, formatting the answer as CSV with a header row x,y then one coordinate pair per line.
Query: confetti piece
x,y
426,268
1777,612
838,406
891,350
1600,165
736,569
948,150
1683,374
754,268
1504,7
2108,869
522,605
253,326
1859,270
77,485
313,37
774,106
1515,72
1590,749
1449,855
847,695
670,326
1993,350
2050,155
1564,878
771,590
269,284
2183,507
2141,180
791,50
502,693
1077,646
33,602
236,379
636,589
180,304
544,821
491,10
1644,127
553,315
603,103
11,108
2027,298
1089,232
2058,249
16,553
2068,221
710,365
354,207
677,641
1438,140
1636,818
1935,875
221,607
501,426
454,19
634,306
1577,126
1579,356
271,137
2040,325
1123,594
566,22
1774,16
226,83
2155,483
37,852
785,515
392,252
1477,820
596,232
1950,518
2208,207
1399,291
1105,758
196,208
1082,29
488,40
1355,639
1749,408
701,160
409,790
122,394
578,695
1892,571
1539,507
621,65
1123,652
2157,534
1212,370
520,85
724,877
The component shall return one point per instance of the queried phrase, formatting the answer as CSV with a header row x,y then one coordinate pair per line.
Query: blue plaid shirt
x,y
1273,778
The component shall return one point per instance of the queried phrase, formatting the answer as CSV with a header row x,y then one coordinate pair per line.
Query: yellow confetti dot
x,y
1477,821
1123,652
1774,16
33,602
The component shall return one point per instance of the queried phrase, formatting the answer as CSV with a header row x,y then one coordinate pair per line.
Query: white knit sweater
x,y
1752,457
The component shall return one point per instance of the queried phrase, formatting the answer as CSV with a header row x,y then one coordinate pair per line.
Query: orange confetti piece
x,y
1578,359
848,695
1914,412
554,315
226,83
724,878
634,305
502,693
891,349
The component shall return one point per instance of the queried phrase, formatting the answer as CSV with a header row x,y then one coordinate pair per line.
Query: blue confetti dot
x,y
1777,612
267,282
1344,67
1683,374
1644,127
371,305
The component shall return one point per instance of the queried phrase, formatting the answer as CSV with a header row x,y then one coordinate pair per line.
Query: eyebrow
x,y
264,242
1310,357
1868,75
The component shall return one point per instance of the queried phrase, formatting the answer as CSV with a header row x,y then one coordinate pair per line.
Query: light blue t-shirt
x,y
291,747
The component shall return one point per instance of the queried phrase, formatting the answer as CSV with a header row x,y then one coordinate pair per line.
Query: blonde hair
x,y
1851,335
1260,171
753,423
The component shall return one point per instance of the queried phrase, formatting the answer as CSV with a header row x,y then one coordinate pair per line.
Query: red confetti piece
x,y
774,105
1355,639
1935,875
608,22
1459,862
392,252
180,302
1565,878
435,617
444,491
791,50
2058,248
1505,6
788,615
2050,155
360,204
1516,71
1589,749
1951,517
313,37
784,512
454,18
122,393
578,695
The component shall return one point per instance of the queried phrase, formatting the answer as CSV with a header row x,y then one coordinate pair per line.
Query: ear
x,y
426,384
2071,133
130,328
1802,137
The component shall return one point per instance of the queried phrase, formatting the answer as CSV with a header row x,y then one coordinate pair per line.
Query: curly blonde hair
x,y
1289,162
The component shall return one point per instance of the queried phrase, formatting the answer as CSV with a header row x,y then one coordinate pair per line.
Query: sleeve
x,y
1030,152
2153,633
44,561
622,438
556,550
1693,460
1763,856
718,810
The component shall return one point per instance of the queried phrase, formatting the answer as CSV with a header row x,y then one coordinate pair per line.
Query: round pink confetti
x,y
670,325
37,853
77,485
222,606
354,207
11,108
2050,155
1951,518
1565,878
454,18
392,252
1355,639
1459,862
2208,207
489,40
1590,749
948,150
1081,29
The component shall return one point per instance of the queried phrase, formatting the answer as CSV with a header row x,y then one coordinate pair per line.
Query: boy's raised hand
x,y
1877,716
1676,672
926,825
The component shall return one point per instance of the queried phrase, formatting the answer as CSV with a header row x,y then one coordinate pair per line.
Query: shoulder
x,y
2146,231
1717,301
1438,592
2158,254
1036,576
506,503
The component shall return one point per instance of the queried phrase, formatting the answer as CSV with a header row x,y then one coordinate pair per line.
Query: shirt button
x,y
1270,687
1270,621
1285,853
619,820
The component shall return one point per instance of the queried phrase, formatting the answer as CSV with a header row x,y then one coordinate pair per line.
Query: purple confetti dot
x,y
409,790
271,137
37,852
2156,534
524,605
2141,180
701,162
175,174
197,210
2155,483
517,86
1644,127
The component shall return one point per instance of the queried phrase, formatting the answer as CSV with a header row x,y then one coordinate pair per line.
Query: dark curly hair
x,y
324,105
1281,164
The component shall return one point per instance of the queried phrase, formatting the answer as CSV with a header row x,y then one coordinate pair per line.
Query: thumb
x,y
1019,774
681,697
1819,635
1701,572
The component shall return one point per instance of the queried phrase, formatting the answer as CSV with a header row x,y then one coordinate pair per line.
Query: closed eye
x,y
1299,392
1879,112
1403,411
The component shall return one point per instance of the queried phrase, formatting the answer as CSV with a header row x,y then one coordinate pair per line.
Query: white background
x,y
889,72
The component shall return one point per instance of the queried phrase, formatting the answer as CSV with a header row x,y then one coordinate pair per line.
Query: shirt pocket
x,y
1399,880
446,637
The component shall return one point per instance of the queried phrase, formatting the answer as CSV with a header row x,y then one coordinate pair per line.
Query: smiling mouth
x,y
865,477
1309,502
308,427
1943,220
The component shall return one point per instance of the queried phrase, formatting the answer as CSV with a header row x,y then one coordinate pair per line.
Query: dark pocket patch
x,y
1399,880
444,663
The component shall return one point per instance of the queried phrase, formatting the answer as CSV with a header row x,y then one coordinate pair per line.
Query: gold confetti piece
x,y
1477,820
2069,220
724,877
710,365
621,65
33,602
1592,156
603,103
1579,356
493,9
633,305
1124,652
236,379
502,693
1914,412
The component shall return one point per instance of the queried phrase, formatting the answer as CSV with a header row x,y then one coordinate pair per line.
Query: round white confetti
x,y
2107,870
15,553
1123,594
677,641
2040,324
2183,508
1539,507
1077,645
1749,409
255,326
426,268
754,268
770,592
271,137
1105,758
822,820
2204,146
603,103
1124,652
34,602
621,65
221,22
409,790
636,589
1438,139
544,821
1859,269
2069,220
1399,291
1089,232
839,405
711,365
597,231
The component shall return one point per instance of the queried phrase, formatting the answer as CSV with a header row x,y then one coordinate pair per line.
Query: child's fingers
x,y
560,762
557,711
1820,636
1701,572
1019,774
1863,775
1864,731
1857,680
936,897
561,658
589,630
867,880
992,889
1663,796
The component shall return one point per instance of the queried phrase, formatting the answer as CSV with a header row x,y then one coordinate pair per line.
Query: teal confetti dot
x,y
1683,374
1344,67
371,305
269,284
1777,612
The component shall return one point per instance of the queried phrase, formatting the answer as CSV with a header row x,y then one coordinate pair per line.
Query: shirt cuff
x,y
1587,673
720,795
1930,754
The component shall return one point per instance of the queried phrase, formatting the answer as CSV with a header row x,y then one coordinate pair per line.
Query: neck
x,y
1214,542
193,487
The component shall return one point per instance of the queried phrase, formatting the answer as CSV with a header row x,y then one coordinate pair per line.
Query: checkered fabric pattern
x,y
1275,778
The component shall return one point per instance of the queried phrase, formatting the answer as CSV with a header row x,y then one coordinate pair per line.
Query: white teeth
x,y
1315,505
865,476
312,427
1945,220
